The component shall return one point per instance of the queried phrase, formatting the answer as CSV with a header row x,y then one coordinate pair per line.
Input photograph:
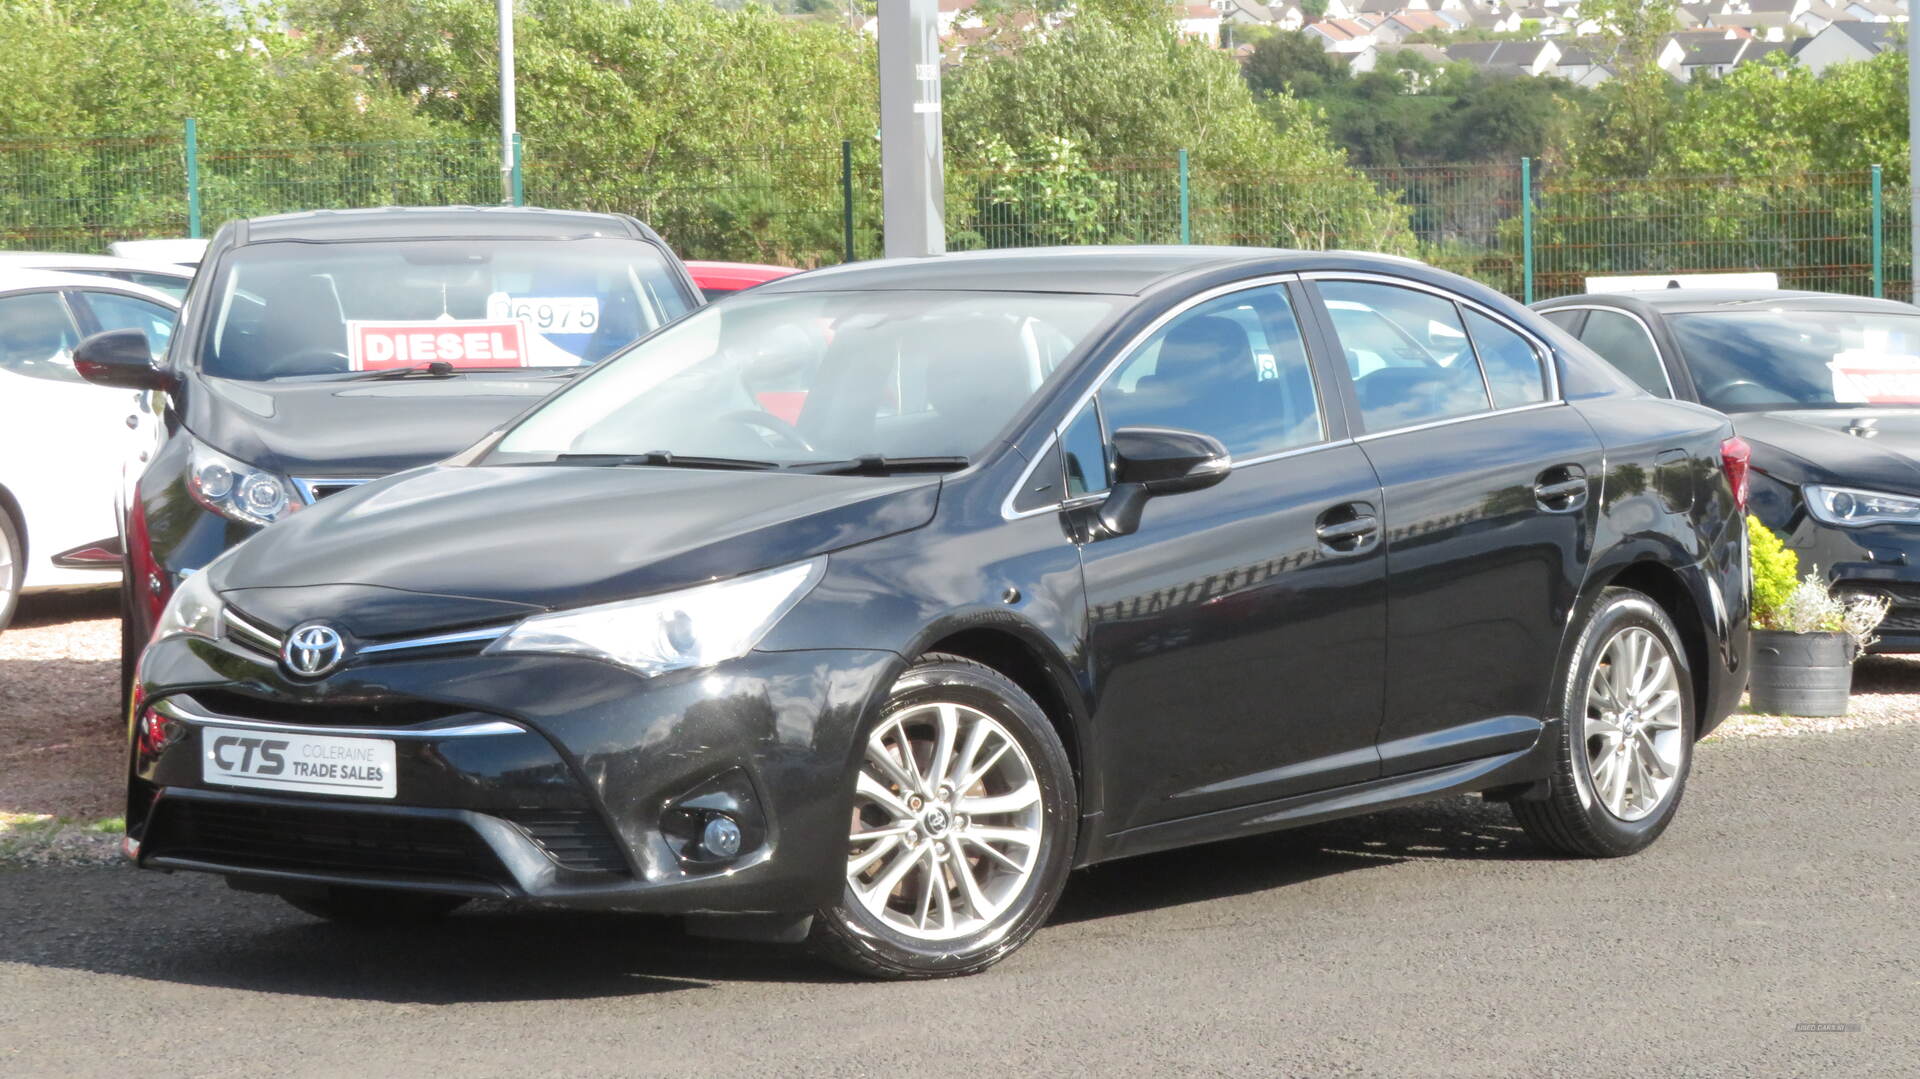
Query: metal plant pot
x,y
1801,674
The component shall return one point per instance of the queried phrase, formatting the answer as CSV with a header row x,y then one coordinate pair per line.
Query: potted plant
x,y
1805,638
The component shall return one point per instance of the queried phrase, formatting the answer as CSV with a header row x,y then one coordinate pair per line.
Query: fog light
x,y
721,837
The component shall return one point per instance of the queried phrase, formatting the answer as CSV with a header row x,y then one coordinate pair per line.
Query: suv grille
x,y
252,836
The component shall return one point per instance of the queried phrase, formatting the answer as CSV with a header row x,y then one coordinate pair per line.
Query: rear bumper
x,y
576,783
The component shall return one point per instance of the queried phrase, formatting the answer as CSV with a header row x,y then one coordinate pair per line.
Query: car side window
x,y
1234,367
1407,352
37,336
114,311
1084,448
1514,374
1623,341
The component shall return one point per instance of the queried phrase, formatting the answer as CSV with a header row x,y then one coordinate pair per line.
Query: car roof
x,y
1669,301
20,280
40,260
435,222
1101,270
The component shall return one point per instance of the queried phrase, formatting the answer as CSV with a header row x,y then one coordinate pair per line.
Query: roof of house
x,y
1341,29
1491,54
1433,53
1418,21
1873,36
1714,53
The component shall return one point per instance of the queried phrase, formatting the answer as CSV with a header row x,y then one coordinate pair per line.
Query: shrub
x,y
1776,573
1807,604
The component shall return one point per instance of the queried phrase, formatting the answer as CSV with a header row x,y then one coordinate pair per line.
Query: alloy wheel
x,y
947,822
1633,724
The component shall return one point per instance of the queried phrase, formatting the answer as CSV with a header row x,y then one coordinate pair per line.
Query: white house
x,y
1398,28
1342,35
1846,42
1519,57
1198,22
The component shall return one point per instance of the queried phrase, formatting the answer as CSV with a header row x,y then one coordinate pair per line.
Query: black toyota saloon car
x,y
319,350
1826,391
1065,555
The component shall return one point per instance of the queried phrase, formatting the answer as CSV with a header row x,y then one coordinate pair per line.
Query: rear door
x,y
1489,484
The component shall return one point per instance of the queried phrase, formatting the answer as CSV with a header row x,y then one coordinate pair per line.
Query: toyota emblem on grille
x,y
313,649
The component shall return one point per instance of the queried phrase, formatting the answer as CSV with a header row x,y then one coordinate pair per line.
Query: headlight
x,y
695,627
194,611
1852,508
237,490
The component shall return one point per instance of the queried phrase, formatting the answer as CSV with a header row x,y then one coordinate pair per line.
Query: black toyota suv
x,y
320,350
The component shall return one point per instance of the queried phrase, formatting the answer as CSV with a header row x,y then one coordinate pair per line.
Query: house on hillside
x,y
1876,10
1579,66
1533,58
1377,55
1398,28
1720,57
1199,22
1846,42
1342,35
1765,25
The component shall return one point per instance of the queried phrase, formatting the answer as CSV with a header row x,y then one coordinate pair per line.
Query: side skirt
x,y
1483,773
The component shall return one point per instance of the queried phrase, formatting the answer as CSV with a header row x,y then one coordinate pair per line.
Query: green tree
x,y
1291,62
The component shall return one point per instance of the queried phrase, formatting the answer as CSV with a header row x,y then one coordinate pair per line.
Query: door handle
x,y
1347,529
1561,488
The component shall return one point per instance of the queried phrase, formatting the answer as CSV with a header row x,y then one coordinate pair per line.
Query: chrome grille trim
x,y
471,636
173,708
251,635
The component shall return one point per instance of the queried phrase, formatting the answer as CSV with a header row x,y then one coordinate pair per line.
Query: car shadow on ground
x,y
192,930
50,608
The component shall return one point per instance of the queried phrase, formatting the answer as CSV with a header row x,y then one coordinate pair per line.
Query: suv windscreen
x,y
777,379
1746,360
288,310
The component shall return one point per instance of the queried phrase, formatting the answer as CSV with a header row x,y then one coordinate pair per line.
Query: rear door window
x,y
1407,352
37,336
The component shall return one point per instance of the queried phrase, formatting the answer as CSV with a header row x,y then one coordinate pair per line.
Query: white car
x,y
63,441
180,251
169,277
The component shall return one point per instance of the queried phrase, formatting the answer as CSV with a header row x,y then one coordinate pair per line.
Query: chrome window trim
x,y
1542,352
486,633
306,484
172,709
1659,357
1126,352
1451,420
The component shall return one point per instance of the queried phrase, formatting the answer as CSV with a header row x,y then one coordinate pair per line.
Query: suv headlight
x,y
194,611
237,490
694,627
1849,507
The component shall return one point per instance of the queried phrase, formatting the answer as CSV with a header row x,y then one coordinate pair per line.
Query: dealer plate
x,y
282,761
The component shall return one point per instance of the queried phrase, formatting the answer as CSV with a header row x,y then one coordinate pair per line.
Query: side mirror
x,y
120,358
1150,461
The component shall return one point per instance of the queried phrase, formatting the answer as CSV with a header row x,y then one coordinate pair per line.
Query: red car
x,y
717,279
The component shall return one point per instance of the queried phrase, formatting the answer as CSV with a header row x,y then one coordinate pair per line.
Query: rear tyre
x,y
374,907
13,568
1626,734
961,831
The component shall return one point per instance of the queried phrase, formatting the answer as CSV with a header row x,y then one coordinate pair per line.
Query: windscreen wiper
x,y
874,464
664,459
436,369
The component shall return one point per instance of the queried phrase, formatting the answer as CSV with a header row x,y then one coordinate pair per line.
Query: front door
x,y
1235,638
1489,489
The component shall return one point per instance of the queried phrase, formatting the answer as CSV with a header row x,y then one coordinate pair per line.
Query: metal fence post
x,y
1186,202
519,190
1879,239
1526,230
193,178
846,199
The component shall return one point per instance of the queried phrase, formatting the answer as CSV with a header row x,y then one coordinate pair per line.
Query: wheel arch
x,y
1668,588
1042,673
10,505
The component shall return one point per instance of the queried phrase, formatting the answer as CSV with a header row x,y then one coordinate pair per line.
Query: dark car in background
x,y
1066,555
318,351
1826,391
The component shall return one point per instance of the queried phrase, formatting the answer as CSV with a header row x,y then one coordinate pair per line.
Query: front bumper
x,y
550,778
1878,560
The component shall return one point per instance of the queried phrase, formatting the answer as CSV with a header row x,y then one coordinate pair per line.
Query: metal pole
x,y
1879,239
507,125
1526,230
912,171
846,198
1186,202
193,178
519,190
1913,154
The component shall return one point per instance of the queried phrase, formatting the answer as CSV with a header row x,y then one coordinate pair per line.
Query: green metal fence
x,y
1529,232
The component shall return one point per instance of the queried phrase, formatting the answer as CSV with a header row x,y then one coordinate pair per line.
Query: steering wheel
x,y
767,421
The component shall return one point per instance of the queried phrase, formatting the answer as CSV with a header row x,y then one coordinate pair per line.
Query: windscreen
x,y
790,379
1751,360
292,310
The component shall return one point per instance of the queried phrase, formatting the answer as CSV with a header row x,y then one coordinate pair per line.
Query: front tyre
x,y
961,832
13,568
1626,743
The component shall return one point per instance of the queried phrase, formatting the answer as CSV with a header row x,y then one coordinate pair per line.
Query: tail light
x,y
1737,456
149,582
